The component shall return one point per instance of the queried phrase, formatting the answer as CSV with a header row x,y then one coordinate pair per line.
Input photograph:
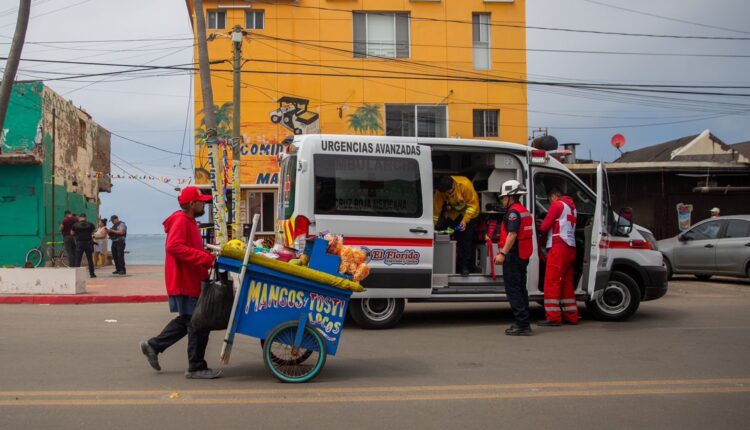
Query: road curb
x,y
78,300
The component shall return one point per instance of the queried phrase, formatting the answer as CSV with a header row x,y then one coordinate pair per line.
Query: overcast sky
x,y
154,110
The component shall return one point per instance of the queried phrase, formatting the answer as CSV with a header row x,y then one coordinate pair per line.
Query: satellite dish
x,y
618,141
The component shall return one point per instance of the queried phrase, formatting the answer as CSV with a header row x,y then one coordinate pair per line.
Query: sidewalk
x,y
142,284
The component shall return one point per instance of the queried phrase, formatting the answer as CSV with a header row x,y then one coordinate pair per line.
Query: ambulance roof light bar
x,y
539,156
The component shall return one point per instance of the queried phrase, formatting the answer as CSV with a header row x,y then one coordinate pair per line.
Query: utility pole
x,y
237,35
214,160
14,57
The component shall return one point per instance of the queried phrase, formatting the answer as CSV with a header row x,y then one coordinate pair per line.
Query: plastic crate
x,y
320,260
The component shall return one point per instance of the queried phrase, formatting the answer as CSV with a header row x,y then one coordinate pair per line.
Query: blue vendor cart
x,y
296,312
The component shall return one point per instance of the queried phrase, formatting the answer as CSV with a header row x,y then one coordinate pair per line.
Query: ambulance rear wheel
x,y
619,301
377,313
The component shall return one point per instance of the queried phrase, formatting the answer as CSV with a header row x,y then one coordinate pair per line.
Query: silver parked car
x,y
715,246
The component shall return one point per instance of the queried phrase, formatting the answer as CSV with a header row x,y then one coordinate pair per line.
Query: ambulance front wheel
x,y
377,313
619,301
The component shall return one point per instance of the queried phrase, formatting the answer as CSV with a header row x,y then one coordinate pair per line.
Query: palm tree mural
x,y
224,114
366,119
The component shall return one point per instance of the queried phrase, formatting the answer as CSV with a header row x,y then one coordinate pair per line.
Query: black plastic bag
x,y
214,304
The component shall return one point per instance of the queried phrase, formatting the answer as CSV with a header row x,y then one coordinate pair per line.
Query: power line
x,y
50,12
645,88
517,26
665,17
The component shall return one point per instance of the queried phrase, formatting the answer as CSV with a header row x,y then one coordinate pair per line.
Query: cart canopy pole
x,y
226,348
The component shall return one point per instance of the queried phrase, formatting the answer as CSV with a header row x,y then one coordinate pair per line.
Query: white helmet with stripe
x,y
512,188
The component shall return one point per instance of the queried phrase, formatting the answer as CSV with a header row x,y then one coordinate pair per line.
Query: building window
x,y
381,34
416,120
481,41
217,20
486,122
255,19
263,203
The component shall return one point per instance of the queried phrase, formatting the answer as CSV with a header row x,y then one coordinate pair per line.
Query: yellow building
x,y
431,68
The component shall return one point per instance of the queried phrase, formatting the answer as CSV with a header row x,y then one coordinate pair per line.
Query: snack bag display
x,y
353,262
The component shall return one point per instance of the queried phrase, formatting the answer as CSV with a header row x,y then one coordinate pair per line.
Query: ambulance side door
x,y
597,238
381,202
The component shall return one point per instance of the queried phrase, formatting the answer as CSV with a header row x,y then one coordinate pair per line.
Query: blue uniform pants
x,y
514,277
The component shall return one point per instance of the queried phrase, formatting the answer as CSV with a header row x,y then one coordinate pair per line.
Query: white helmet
x,y
512,188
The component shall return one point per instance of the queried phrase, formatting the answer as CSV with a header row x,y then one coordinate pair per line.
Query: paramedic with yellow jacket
x,y
455,206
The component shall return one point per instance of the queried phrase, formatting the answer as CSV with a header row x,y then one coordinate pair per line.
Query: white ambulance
x,y
378,191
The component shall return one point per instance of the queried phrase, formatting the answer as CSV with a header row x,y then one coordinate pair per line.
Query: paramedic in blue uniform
x,y
516,245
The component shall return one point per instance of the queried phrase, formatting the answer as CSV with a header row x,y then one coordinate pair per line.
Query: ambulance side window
x,y
367,186
582,198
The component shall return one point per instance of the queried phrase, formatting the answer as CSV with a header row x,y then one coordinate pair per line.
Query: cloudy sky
x,y
154,109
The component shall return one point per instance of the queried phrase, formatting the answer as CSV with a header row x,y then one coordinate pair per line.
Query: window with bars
x,y
255,20
481,41
486,122
217,20
416,120
381,34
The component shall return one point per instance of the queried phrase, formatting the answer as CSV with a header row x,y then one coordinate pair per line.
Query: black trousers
x,y
88,249
118,255
464,240
514,276
69,243
176,330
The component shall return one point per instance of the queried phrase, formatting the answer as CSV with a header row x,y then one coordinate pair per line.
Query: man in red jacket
x,y
186,265
559,292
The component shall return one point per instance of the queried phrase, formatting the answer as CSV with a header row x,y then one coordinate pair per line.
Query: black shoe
x,y
548,323
151,355
516,330
92,276
116,272
203,374
464,272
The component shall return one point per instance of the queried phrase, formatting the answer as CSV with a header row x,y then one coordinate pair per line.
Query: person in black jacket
x,y
84,234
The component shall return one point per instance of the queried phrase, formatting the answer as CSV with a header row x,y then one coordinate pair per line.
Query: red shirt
x,y
67,225
186,263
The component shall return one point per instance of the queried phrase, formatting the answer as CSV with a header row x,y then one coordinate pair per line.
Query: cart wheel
x,y
283,360
301,359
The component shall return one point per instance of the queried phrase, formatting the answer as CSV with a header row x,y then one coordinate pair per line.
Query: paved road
x,y
682,362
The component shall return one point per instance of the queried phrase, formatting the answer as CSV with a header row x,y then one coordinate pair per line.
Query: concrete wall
x,y
43,281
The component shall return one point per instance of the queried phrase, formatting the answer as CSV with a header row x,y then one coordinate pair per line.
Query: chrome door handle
x,y
419,230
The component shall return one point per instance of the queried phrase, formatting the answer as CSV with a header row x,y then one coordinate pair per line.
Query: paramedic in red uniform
x,y
456,205
186,265
516,246
559,293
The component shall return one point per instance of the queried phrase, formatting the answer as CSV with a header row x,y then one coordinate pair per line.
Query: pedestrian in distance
x,y
69,242
187,263
516,246
715,212
559,293
456,206
100,243
117,234
84,237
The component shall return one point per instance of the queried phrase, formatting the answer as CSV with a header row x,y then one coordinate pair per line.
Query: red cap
x,y
192,194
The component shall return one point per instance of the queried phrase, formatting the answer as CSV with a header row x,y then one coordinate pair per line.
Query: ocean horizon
x,y
145,249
